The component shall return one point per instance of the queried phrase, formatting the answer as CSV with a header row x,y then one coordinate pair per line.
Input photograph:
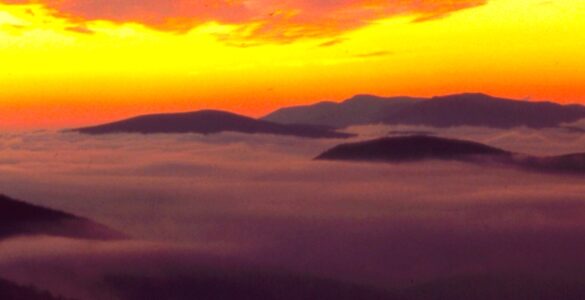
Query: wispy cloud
x,y
332,42
80,29
374,54
260,19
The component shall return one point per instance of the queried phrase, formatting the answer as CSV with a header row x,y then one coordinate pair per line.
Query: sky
x,y
79,62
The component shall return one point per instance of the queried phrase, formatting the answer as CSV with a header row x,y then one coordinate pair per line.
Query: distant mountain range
x,y
361,109
18,218
320,120
423,147
446,111
209,122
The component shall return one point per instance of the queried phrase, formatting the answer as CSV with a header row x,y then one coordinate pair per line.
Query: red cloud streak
x,y
282,20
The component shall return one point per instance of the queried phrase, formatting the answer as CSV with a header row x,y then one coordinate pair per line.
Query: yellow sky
x,y
68,66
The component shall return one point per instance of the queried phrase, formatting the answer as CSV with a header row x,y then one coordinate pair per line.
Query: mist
x,y
261,202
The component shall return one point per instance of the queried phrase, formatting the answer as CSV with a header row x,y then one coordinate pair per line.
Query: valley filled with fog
x,y
261,201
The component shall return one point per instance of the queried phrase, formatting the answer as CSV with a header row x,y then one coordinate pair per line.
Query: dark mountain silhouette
x,y
18,218
569,163
411,148
425,147
446,111
12,291
238,284
209,122
499,286
486,111
361,109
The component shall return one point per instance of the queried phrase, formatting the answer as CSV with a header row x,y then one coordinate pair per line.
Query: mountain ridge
x,y
465,109
208,122
411,148
12,291
18,218
357,110
404,149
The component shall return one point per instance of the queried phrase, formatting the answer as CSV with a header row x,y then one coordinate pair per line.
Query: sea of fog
x,y
262,200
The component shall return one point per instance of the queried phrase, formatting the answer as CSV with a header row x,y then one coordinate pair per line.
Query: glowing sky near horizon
x,y
72,62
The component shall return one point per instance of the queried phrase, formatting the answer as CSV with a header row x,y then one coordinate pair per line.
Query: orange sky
x,y
75,62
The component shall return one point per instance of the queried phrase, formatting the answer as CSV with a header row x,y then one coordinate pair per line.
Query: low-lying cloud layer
x,y
261,200
264,19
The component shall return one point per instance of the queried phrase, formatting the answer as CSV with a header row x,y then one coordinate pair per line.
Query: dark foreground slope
x,y
271,286
235,284
412,148
423,147
497,287
18,218
11,291
446,111
209,122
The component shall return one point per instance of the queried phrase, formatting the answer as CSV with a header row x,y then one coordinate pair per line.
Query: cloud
x,y
374,54
332,42
261,199
260,19
80,29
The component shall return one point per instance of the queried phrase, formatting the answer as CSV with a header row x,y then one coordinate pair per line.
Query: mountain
x,y
570,163
497,286
411,148
12,291
446,111
276,286
238,284
424,147
209,122
361,109
18,218
486,111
